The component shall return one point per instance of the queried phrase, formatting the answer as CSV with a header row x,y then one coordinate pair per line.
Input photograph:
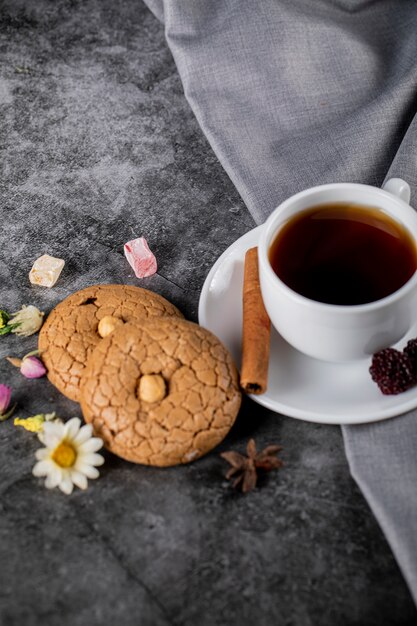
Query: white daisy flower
x,y
70,455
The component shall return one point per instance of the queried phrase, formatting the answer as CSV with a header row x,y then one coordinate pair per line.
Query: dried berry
x,y
411,351
393,371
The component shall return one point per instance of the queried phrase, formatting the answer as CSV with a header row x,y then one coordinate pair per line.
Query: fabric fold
x,y
292,94
383,462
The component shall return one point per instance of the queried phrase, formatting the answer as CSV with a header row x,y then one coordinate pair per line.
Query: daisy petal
x,y
79,479
66,485
84,434
42,454
92,445
42,468
56,428
53,479
52,434
72,427
51,441
91,458
88,470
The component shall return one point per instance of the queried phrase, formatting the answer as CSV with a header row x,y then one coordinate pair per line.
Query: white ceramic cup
x,y
333,332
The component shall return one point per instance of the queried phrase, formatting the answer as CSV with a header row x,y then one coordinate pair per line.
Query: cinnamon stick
x,y
255,331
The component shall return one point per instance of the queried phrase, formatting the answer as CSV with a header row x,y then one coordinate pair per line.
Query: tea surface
x,y
343,253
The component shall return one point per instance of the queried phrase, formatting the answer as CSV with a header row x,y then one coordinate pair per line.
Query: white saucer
x,y
299,386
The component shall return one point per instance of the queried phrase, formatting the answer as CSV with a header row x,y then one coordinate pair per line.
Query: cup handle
x,y
399,188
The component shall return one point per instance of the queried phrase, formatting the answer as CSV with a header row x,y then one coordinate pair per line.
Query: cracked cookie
x,y
162,393
74,327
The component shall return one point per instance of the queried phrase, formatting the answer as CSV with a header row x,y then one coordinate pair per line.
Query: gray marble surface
x,y
98,145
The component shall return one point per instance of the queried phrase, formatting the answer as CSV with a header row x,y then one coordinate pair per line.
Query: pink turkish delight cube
x,y
140,257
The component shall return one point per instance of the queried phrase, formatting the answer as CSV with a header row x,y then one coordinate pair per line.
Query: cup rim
x,y
338,309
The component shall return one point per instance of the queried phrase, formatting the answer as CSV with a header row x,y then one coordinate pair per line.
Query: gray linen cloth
x,y
295,93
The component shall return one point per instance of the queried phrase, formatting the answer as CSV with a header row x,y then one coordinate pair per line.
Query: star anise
x,y
244,470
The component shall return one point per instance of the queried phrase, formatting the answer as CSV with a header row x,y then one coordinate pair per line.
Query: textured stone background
x,y
98,145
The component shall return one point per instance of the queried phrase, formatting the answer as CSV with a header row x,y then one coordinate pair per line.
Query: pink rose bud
x,y
141,259
32,367
5,395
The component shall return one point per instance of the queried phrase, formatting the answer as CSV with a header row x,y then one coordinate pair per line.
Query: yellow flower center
x,y
64,455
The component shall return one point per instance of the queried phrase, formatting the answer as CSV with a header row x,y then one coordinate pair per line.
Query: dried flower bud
x,y
152,388
5,396
30,366
27,321
107,325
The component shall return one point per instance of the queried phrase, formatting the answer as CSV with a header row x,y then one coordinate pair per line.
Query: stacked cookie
x,y
158,389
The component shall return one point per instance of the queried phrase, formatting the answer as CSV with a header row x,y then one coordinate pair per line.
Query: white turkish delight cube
x,y
46,270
